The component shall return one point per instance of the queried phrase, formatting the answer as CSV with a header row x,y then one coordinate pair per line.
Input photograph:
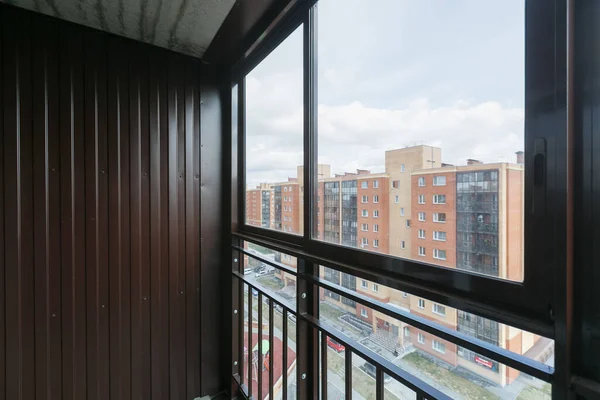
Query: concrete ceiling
x,y
186,26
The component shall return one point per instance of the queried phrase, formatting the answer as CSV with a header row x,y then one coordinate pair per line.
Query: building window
x,y
406,331
438,309
402,211
439,217
290,208
375,213
285,188
439,199
375,228
375,184
396,199
439,181
421,303
439,346
364,284
284,208
421,199
365,241
375,199
403,244
365,213
401,167
422,181
421,234
375,242
364,185
375,287
365,227
421,338
364,312
396,184
408,223
365,199
404,294
439,254
437,235
421,250
421,216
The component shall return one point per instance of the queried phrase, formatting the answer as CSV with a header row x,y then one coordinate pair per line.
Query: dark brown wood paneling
x,y
100,217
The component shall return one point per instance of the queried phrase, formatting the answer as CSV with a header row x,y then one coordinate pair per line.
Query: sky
x,y
391,74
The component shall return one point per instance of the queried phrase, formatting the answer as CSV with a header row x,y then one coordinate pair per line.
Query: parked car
x,y
261,273
292,318
371,370
334,344
278,308
247,271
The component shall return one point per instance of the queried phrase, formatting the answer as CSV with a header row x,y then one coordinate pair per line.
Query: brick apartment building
x,y
467,217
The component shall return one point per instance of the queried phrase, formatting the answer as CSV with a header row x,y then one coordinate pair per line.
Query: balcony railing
x,y
313,331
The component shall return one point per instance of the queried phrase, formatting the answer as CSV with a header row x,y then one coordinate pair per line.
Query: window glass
x,y
274,139
456,371
432,109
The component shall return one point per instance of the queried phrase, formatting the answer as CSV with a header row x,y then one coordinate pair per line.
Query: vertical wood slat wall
x,y
99,216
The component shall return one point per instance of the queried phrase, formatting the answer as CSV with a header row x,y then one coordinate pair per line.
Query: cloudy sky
x,y
394,73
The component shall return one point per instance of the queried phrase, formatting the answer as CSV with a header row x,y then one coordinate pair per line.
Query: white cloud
x,y
415,73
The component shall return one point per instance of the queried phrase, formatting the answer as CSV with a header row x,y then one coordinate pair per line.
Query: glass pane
x,y
394,390
278,283
363,378
420,131
454,370
274,139
336,376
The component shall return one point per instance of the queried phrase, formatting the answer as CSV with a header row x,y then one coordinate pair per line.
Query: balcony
x,y
148,152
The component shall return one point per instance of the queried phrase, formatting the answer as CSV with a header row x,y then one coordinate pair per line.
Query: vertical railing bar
x,y
348,374
271,349
323,366
241,328
249,340
379,388
284,368
259,368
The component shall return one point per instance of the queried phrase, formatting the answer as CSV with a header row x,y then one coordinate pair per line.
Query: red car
x,y
335,345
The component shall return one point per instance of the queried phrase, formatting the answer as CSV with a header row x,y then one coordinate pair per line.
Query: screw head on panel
x,y
235,311
235,260
303,376
303,295
235,363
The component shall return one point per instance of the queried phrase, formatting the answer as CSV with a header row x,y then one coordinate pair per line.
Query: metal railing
x,y
312,355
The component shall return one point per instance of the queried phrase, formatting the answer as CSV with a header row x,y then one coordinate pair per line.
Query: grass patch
x,y
328,312
270,282
361,382
449,379
534,393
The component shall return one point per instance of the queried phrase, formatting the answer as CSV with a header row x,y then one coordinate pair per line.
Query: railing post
x,y
307,343
237,324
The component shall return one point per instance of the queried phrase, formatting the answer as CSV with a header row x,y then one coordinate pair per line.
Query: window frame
x,y
436,198
530,298
421,338
440,344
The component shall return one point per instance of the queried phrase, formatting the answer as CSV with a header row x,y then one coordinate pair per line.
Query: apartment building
x,y
467,217
470,217
399,165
